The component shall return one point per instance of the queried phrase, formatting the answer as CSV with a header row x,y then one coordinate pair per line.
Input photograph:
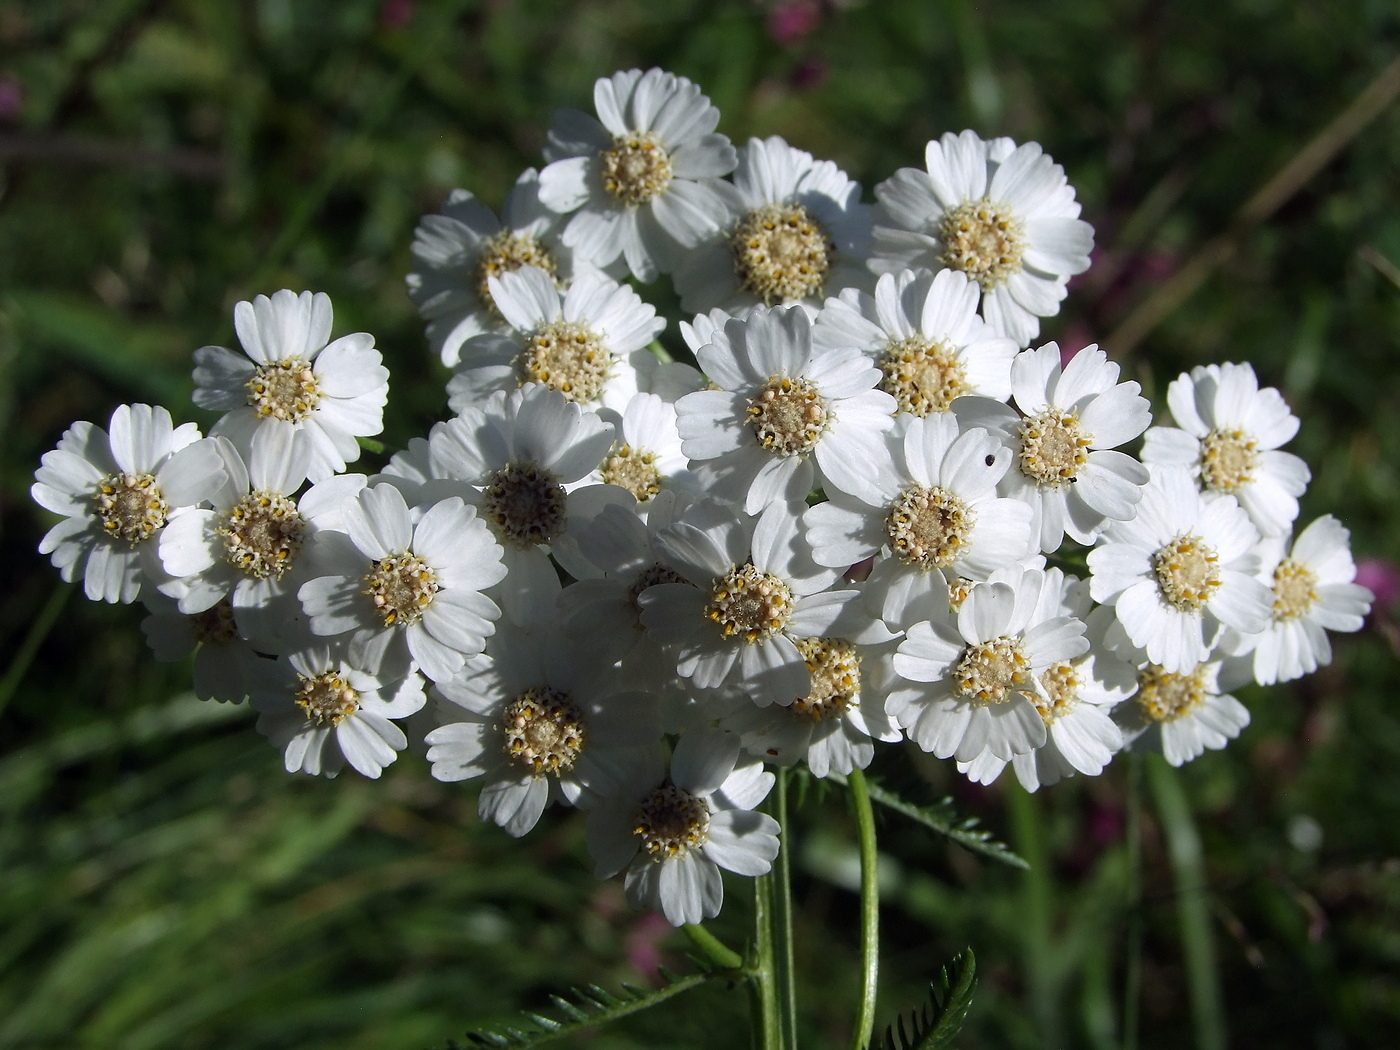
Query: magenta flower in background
x,y
789,22
1381,577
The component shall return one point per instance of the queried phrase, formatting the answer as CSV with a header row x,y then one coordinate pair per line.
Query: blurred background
x,y
164,884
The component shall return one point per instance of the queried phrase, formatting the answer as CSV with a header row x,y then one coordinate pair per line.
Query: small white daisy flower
x,y
539,720
1229,439
782,407
797,233
323,709
246,547
1180,713
407,590
674,833
1314,591
332,392
923,333
1003,214
937,505
647,456
1179,570
581,342
978,670
457,252
1064,435
1075,704
752,591
641,179
225,666
116,489
518,457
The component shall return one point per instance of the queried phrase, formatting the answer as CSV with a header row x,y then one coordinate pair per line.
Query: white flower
x,y
248,545
673,833
581,342
457,252
405,590
1313,592
796,233
225,666
936,505
1180,713
979,668
517,456
332,393
1179,570
1003,214
539,720
1078,694
641,179
646,458
1063,436
323,708
752,592
1230,434
780,406
116,489
923,333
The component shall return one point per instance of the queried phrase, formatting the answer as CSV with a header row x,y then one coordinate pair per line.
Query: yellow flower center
x,y
781,253
985,240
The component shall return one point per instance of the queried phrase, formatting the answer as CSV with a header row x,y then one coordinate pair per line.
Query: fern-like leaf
x,y
935,1025
944,818
583,1008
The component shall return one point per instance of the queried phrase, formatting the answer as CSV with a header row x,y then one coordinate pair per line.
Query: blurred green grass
x,y
164,884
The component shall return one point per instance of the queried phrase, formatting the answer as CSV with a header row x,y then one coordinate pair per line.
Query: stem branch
x,y
869,910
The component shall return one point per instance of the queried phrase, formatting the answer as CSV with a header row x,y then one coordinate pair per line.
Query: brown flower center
x,y
671,822
544,730
749,604
262,534
650,577
327,698
215,625
402,587
636,169
985,240
922,375
526,503
788,416
286,390
781,253
130,506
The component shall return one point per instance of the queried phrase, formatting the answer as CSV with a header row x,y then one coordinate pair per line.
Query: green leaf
x,y
943,818
934,1026
583,1008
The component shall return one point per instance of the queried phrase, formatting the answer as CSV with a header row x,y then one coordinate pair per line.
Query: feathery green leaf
x,y
935,1025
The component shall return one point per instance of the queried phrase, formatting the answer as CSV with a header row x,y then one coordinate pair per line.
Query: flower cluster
x,y
618,582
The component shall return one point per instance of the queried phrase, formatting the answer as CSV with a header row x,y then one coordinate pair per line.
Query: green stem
x,y
1193,905
869,910
716,951
784,973
1132,977
763,989
1037,915
38,630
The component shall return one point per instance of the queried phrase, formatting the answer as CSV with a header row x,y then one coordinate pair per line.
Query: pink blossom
x,y
789,22
1382,578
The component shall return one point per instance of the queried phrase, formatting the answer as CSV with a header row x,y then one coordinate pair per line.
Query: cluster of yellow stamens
x,y
327,698
1054,448
1188,572
749,604
788,416
922,375
130,506
928,528
671,822
636,168
544,730
834,665
990,672
402,587
781,253
262,534
568,357
985,240
286,390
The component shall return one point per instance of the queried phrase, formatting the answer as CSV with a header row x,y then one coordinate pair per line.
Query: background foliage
x,y
163,883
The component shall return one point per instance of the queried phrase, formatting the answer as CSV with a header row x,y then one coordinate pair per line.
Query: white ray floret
x,y
641,181
1229,438
796,233
225,666
646,458
116,489
457,251
673,833
936,505
585,342
290,371
1003,214
323,709
923,333
1314,591
785,413
1064,430
517,459
1180,714
972,677
1180,570
405,589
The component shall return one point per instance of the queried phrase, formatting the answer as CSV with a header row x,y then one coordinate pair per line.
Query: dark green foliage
x,y
937,1023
